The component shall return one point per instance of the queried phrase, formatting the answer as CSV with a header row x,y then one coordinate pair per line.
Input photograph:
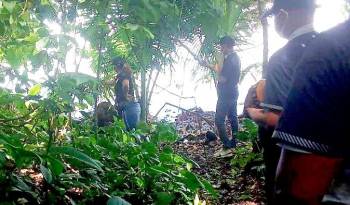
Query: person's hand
x,y
204,63
130,97
109,82
255,114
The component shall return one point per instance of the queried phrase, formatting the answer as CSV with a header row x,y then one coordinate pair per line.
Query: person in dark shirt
x,y
126,105
293,21
254,97
227,89
314,128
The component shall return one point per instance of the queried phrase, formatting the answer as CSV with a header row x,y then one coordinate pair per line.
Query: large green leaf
x,y
46,173
132,27
19,183
209,188
249,132
164,198
191,180
9,5
116,200
2,158
76,154
55,165
80,78
13,55
35,90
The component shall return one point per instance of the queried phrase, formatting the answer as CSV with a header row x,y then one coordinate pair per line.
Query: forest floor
x,y
241,187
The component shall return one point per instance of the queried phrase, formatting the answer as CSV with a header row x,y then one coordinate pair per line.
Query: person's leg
x,y
232,117
132,115
125,119
271,154
120,112
303,179
220,116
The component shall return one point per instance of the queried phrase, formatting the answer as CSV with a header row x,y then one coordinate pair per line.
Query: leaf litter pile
x,y
238,179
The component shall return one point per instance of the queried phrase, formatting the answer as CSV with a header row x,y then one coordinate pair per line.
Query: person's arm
x,y
214,68
272,94
125,86
236,64
263,117
110,82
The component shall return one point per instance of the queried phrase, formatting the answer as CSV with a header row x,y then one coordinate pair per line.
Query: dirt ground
x,y
245,188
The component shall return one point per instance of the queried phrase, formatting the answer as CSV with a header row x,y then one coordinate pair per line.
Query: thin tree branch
x,y
152,89
149,83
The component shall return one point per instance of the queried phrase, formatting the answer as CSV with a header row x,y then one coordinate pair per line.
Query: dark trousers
x,y
226,108
271,155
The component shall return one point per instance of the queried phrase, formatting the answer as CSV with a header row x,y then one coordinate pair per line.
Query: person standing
x,y
227,89
294,22
314,128
128,109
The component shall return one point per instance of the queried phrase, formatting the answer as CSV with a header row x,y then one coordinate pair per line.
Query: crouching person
x,y
128,109
105,113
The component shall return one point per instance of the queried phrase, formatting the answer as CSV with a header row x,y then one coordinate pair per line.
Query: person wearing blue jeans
x,y
226,108
128,109
227,88
131,115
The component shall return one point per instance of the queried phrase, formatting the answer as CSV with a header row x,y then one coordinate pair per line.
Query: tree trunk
x,y
99,60
149,82
261,6
143,95
137,90
150,93
77,65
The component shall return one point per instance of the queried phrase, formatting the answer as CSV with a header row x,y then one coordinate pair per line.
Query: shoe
x,y
210,136
223,153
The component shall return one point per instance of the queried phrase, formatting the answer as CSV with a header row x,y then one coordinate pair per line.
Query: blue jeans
x,y
130,113
226,108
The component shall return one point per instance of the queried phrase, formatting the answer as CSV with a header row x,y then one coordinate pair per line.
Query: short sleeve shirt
x,y
316,118
280,70
229,77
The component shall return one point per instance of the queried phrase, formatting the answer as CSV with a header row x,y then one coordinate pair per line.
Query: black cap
x,y
227,40
290,5
118,61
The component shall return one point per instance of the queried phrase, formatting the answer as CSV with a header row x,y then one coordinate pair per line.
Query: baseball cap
x,y
227,40
118,61
289,5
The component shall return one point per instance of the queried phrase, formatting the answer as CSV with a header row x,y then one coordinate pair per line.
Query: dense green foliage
x,y
42,36
249,155
76,164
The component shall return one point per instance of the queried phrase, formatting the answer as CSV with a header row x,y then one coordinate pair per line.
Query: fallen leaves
x,y
234,188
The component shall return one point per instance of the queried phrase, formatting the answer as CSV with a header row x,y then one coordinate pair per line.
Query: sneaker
x,y
223,153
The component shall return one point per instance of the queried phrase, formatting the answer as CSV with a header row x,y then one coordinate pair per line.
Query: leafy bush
x,y
47,157
248,156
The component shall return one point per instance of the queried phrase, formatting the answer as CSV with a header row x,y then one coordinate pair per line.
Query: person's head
x,y
291,15
226,44
119,64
